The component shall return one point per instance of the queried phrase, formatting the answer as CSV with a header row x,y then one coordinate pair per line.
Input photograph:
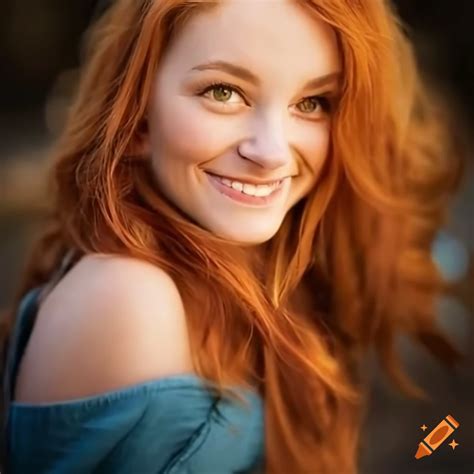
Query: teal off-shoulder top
x,y
171,425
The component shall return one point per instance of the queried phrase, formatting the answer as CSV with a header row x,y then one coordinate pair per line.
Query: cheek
x,y
315,150
316,147
183,127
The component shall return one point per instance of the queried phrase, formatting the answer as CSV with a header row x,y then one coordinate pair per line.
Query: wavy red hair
x,y
359,242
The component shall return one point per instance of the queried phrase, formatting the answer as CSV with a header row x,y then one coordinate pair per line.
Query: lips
x,y
235,195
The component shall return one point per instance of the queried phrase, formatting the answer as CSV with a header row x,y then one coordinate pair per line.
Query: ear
x,y
140,144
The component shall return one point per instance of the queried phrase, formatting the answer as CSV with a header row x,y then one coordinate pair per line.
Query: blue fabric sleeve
x,y
171,425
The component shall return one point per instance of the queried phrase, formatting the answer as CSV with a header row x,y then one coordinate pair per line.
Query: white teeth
x,y
238,186
264,190
259,190
249,189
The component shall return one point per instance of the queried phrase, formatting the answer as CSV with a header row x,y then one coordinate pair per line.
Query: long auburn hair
x,y
360,240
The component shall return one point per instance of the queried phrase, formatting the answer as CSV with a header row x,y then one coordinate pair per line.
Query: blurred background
x,y
40,47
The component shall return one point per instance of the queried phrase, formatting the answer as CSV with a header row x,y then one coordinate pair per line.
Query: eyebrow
x,y
249,76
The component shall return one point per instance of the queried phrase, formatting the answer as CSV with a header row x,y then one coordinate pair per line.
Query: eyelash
x,y
324,101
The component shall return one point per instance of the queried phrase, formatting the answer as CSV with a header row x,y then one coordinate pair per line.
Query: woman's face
x,y
273,126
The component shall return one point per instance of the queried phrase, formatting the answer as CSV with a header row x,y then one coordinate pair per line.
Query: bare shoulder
x,y
111,322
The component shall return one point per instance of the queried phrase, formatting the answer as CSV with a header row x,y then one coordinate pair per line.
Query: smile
x,y
246,193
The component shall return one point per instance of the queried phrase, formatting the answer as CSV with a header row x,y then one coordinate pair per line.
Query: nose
x,y
268,146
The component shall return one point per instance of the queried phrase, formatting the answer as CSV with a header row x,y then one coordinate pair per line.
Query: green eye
x,y
219,93
308,105
313,104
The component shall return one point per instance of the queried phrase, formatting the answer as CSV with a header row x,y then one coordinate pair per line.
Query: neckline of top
x,y
162,384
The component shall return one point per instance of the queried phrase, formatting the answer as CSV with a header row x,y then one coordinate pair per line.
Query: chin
x,y
247,239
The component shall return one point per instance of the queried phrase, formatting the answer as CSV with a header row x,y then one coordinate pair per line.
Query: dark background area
x,y
39,56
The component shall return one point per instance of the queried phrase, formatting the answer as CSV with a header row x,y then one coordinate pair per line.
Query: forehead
x,y
264,35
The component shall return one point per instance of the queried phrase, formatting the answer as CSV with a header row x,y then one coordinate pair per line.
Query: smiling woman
x,y
252,101
240,189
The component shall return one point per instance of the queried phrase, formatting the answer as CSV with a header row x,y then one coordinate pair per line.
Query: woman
x,y
245,198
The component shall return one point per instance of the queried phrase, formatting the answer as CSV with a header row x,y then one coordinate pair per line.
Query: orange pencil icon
x,y
436,437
